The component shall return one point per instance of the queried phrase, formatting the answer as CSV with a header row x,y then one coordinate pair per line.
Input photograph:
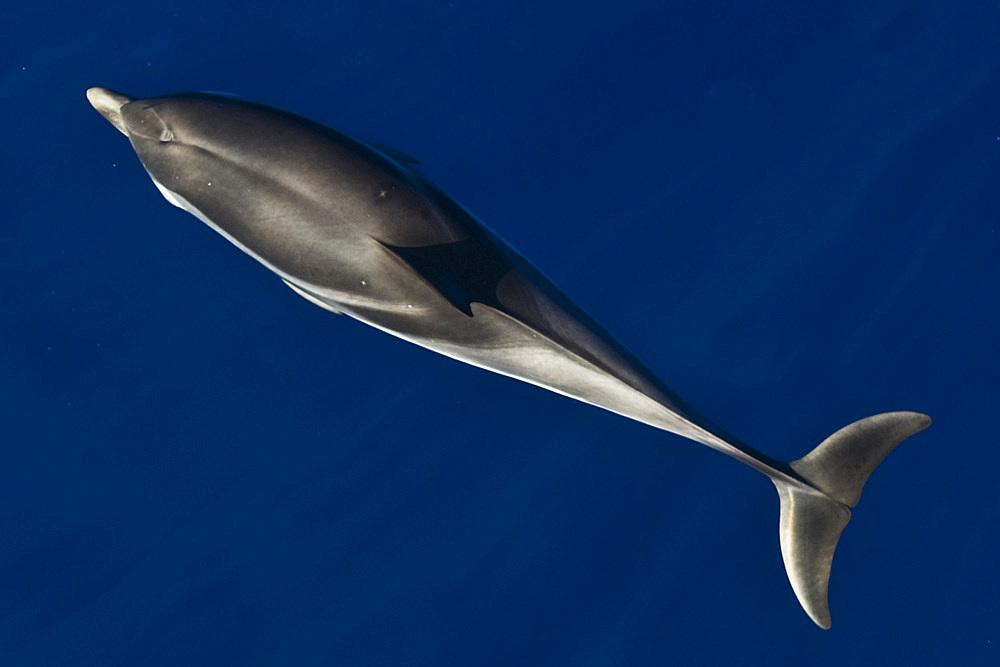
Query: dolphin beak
x,y
109,104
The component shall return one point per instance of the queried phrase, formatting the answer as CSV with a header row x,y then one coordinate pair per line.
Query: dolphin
x,y
355,228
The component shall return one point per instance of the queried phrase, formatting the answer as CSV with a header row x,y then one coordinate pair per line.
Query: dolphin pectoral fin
x,y
812,519
312,298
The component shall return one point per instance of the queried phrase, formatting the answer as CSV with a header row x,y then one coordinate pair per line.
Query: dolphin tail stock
x,y
814,516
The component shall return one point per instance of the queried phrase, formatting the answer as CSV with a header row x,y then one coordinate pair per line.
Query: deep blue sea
x,y
790,211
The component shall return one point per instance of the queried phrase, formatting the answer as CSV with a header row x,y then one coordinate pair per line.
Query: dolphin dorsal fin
x,y
398,156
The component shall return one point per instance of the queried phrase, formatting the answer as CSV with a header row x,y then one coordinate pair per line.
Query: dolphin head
x,y
194,145
166,134
149,123
188,138
139,120
270,182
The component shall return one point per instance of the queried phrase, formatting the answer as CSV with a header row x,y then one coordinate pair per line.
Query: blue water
x,y
789,210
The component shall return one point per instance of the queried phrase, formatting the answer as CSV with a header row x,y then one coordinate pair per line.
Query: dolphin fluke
x,y
813,519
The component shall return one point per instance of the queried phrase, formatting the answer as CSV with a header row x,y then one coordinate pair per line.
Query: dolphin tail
x,y
812,519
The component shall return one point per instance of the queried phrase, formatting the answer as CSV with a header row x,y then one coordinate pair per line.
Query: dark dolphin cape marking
x,y
353,227
460,271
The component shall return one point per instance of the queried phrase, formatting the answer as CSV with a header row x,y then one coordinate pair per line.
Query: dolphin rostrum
x,y
354,228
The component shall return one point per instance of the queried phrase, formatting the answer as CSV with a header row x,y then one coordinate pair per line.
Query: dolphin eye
x,y
166,136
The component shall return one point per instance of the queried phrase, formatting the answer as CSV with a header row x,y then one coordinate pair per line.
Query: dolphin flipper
x,y
312,298
812,519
